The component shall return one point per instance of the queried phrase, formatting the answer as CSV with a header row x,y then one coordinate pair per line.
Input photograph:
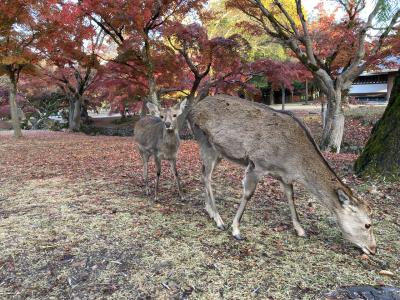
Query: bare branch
x,y
357,66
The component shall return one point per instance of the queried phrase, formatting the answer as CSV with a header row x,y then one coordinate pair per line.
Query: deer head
x,y
354,221
169,116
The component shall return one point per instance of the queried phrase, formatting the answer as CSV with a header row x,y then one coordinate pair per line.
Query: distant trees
x,y
71,51
125,51
336,52
22,25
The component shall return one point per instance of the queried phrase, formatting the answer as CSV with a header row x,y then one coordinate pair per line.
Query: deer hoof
x,y
219,222
221,226
300,232
238,237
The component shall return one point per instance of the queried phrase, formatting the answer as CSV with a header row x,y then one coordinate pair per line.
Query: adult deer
x,y
267,141
158,135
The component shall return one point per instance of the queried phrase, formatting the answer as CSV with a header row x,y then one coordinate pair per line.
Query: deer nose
x,y
167,124
372,249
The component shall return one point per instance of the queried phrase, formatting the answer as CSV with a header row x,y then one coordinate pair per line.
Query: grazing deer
x,y
158,135
267,141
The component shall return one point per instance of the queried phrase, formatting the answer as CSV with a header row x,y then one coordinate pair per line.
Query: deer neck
x,y
323,183
170,137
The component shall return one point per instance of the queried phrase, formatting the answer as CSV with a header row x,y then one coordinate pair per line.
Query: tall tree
x,y
22,24
135,26
381,155
215,59
296,33
72,52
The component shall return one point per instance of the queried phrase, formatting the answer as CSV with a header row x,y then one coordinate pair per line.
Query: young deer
x,y
276,143
158,135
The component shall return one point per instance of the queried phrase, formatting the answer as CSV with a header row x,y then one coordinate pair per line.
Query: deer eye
x,y
174,115
367,226
162,117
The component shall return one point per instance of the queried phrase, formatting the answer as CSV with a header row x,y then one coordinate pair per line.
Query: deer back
x,y
242,131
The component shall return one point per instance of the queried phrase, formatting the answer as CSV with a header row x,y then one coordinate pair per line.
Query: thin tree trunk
x,y
71,113
271,96
283,97
334,123
75,123
14,107
84,113
153,90
306,99
323,112
150,72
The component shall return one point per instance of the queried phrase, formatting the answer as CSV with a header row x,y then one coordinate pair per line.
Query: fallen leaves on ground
x,y
75,223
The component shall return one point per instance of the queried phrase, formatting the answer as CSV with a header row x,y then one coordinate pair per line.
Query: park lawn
x,y
75,224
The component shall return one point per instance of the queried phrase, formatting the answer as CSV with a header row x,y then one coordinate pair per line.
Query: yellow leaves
x,y
13,60
290,8
228,22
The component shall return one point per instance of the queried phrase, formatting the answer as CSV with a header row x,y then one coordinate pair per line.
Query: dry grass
x,y
75,224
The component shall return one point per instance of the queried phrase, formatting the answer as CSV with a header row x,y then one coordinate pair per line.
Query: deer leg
x,y
176,175
249,182
145,158
288,190
210,159
158,168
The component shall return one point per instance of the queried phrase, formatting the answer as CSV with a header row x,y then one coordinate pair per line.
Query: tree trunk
x,y
71,112
14,107
153,90
306,97
75,116
283,97
323,113
150,71
334,123
85,114
271,96
381,154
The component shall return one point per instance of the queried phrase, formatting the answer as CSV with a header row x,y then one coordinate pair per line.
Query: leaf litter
x,y
75,223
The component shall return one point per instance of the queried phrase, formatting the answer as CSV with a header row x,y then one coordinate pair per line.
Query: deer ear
x,y
179,107
153,109
344,199
182,105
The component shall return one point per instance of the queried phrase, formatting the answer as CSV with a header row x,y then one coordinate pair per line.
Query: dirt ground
x,y
75,224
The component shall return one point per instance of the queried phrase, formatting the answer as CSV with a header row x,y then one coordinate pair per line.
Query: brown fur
x,y
276,143
158,136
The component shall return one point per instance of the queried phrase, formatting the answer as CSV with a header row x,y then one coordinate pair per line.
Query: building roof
x,y
377,88
378,72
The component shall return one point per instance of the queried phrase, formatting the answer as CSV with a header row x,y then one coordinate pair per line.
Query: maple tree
x,y
120,87
216,59
22,103
281,75
135,27
71,51
22,25
334,63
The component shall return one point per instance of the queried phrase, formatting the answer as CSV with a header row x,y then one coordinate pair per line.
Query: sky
x,y
310,4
